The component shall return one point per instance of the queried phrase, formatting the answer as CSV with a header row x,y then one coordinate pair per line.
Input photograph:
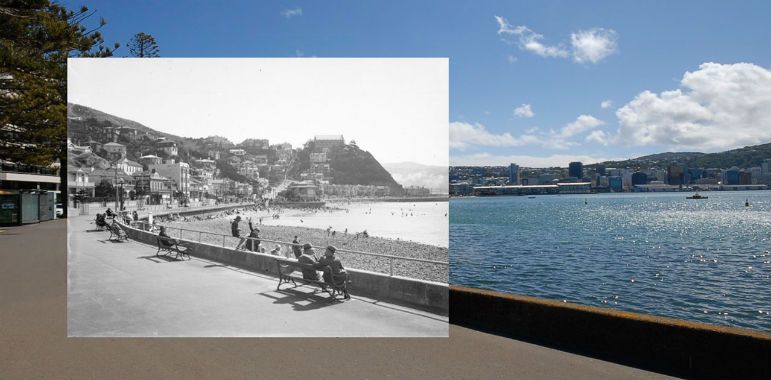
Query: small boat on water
x,y
696,196
531,197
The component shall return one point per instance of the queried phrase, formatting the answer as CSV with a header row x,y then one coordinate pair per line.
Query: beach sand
x,y
319,238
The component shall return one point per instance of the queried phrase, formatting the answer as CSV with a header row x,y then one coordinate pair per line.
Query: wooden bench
x,y
117,232
170,246
286,267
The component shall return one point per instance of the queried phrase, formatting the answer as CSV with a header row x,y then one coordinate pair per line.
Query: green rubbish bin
x,y
9,209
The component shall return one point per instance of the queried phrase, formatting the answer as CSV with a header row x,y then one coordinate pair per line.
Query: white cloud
x,y
593,45
606,103
598,136
299,53
560,160
718,107
289,13
463,135
524,111
530,40
511,59
583,123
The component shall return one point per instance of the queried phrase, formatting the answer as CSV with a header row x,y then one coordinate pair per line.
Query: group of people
x,y
331,267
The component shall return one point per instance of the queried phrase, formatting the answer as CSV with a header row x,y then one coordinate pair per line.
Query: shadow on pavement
x,y
160,259
295,298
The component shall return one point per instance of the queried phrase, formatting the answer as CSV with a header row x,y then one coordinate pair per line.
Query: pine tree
x,y
143,46
36,38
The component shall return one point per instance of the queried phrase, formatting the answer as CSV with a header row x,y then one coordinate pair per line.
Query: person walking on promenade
x,y
296,248
309,257
334,272
235,230
135,215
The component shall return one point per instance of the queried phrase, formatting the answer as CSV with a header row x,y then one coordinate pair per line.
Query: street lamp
x,y
120,198
78,182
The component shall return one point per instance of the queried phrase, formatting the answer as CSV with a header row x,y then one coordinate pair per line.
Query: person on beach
x,y
309,257
254,233
334,273
235,230
296,248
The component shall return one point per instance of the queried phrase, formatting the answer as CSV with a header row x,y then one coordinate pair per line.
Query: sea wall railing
x,y
393,265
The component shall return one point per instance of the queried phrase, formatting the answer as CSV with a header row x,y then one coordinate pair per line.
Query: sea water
x,y
654,253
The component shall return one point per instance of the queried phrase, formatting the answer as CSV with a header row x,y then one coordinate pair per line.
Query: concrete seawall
x,y
666,345
425,295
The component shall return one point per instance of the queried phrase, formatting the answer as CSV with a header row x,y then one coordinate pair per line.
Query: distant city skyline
x,y
535,83
394,108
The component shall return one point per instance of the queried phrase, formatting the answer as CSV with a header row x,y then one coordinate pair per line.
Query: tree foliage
x,y
36,38
143,46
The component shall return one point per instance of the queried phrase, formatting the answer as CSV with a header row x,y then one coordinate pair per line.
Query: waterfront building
x,y
676,174
237,152
153,186
600,169
615,183
576,169
574,188
639,178
730,176
514,178
79,183
179,172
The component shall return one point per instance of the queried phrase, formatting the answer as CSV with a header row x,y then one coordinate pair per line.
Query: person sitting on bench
x,y
309,257
109,213
334,273
100,221
165,238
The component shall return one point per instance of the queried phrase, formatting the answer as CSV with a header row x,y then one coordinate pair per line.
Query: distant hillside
x,y
434,178
746,157
86,123
90,118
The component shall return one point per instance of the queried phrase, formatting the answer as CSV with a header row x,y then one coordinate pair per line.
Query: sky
x,y
534,83
395,108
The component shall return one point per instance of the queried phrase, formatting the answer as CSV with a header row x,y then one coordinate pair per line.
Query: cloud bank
x,y
719,106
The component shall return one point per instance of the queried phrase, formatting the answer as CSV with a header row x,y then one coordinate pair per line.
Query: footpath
x,y
34,319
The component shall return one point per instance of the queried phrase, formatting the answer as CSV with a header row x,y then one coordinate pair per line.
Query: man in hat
x,y
334,273
309,257
235,230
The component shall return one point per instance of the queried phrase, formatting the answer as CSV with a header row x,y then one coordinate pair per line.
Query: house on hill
x,y
328,141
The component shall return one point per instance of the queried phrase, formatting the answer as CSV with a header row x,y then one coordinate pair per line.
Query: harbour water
x,y
702,260
423,222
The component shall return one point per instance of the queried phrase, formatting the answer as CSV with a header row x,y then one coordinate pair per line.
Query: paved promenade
x,y
123,289
34,342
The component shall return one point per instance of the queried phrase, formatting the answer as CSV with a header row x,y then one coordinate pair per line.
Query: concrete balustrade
x,y
425,295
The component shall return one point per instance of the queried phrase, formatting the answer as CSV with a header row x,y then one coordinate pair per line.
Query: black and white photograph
x,y
296,197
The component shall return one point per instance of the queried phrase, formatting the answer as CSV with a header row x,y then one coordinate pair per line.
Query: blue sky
x,y
674,76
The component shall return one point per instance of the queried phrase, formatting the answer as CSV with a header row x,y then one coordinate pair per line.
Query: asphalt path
x,y
34,341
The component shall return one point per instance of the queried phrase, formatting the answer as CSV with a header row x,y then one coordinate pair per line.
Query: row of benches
x,y
284,267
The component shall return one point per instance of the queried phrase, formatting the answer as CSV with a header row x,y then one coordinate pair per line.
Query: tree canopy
x,y
143,46
36,38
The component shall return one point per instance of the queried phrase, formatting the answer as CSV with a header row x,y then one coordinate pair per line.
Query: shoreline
x,y
345,243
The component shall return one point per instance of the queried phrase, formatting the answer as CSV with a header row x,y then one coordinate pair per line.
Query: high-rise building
x,y
676,174
514,178
576,169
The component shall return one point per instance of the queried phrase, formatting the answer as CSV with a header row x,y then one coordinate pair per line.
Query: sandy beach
x,y
216,225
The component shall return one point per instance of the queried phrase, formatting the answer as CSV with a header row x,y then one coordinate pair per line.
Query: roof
x,y
114,144
328,137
